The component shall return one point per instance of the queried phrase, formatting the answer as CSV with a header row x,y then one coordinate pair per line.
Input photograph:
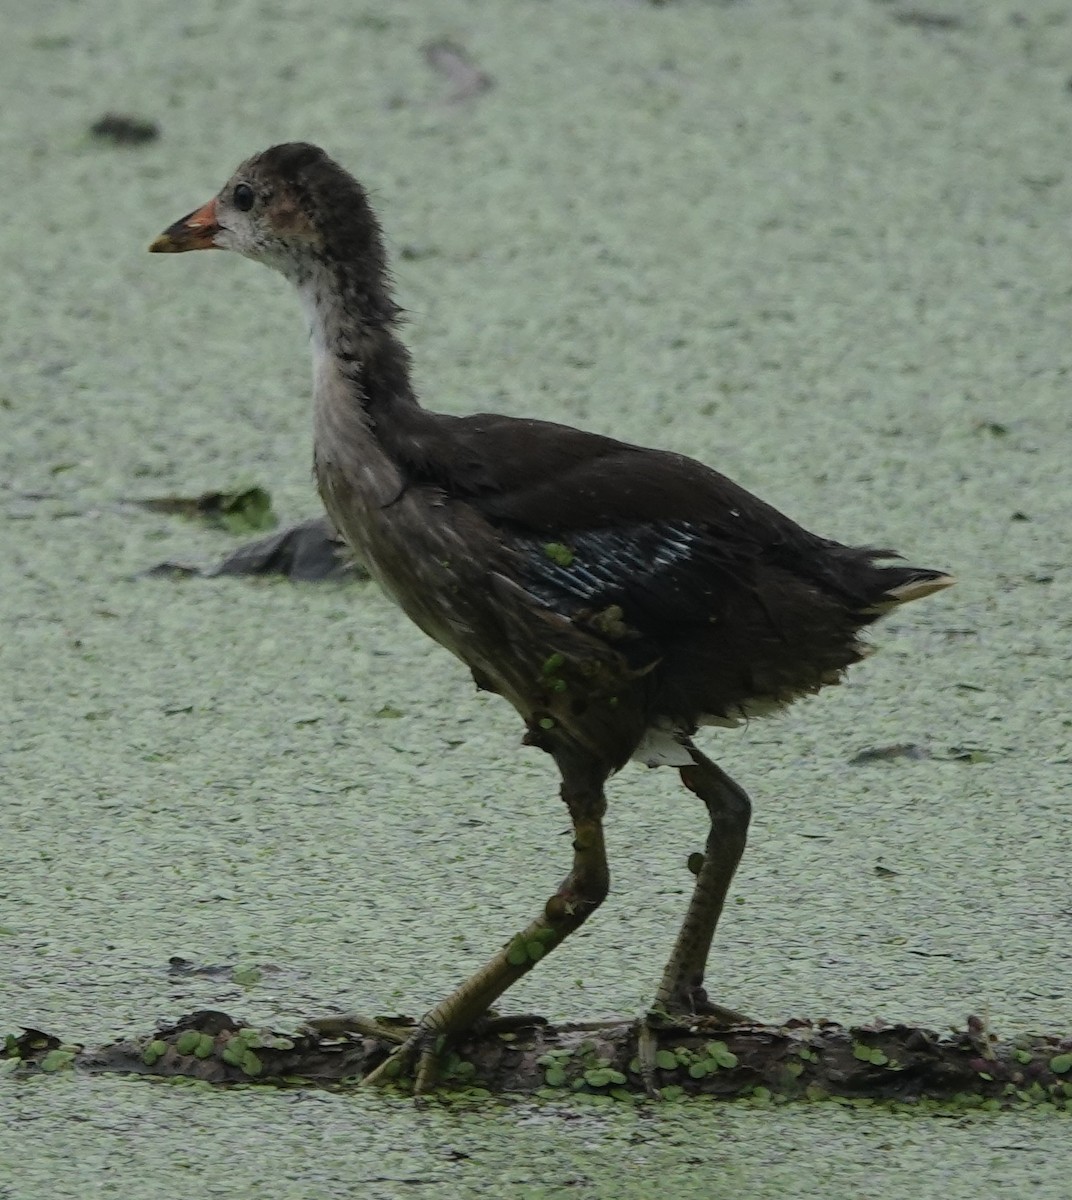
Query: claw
x,y
711,1016
647,1049
427,1070
421,1047
355,1023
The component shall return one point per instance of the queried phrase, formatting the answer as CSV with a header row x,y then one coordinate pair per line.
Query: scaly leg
x,y
580,894
681,998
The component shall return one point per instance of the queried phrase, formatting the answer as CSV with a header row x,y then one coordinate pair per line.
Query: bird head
x,y
290,207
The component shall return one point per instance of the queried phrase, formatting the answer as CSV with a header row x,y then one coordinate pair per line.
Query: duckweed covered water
x,y
823,247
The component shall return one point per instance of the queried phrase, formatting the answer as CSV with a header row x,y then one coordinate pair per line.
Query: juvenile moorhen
x,y
618,597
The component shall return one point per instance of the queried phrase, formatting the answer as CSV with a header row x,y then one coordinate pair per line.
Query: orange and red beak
x,y
194,232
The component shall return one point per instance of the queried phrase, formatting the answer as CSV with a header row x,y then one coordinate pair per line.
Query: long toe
x,y
358,1025
707,1017
421,1050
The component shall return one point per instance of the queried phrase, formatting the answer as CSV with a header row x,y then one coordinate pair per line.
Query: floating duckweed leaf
x,y
672,1092
722,1054
246,977
552,1057
188,1041
389,713
206,1043
666,1060
517,953
698,1070
546,723
555,1077
535,950
57,1060
156,1049
552,663
557,553
602,1076
1023,1056
251,1064
1061,1064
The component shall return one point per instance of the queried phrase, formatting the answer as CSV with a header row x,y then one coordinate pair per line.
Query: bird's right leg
x,y
578,896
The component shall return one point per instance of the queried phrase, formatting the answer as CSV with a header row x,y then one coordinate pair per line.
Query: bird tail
x,y
906,584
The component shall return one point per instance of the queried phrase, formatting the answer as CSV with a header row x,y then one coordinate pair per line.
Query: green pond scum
x,y
823,247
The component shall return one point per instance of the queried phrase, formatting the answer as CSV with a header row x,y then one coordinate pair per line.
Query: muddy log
x,y
809,1060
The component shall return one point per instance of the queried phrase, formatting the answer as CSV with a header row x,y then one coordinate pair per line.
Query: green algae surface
x,y
823,247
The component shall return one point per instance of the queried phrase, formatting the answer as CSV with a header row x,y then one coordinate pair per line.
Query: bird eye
x,y
244,197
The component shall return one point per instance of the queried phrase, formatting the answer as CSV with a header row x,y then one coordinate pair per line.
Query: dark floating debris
x,y
928,20
125,130
246,510
310,552
884,753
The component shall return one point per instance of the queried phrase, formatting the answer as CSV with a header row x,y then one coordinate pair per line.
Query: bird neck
x,y
364,403
351,331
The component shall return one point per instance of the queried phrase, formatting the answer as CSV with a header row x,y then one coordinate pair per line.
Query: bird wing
x,y
594,522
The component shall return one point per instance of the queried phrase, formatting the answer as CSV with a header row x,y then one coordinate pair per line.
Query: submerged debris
x,y
884,753
310,552
244,510
454,62
124,129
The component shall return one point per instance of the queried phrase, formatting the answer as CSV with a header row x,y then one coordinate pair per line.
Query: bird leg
x,y
580,894
680,1000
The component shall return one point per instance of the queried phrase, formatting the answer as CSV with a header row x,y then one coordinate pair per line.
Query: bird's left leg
x,y
579,895
680,998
